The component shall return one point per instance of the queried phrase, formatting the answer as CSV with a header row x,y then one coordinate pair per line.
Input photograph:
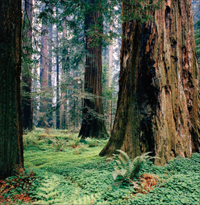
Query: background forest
x,y
54,77
77,100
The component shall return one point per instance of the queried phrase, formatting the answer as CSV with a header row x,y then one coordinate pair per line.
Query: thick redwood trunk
x,y
11,145
93,120
158,96
27,107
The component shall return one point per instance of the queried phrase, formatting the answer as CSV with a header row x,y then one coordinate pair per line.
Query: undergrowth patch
x,y
18,189
76,174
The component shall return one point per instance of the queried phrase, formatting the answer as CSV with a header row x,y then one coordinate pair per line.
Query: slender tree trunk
x,y
11,145
93,119
110,70
50,117
57,84
158,96
63,106
63,110
44,67
43,79
27,107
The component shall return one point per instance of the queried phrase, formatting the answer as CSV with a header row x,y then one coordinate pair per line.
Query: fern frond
x,y
128,168
122,160
86,199
125,156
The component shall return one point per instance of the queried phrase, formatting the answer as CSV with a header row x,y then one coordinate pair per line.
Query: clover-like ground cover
x,y
70,171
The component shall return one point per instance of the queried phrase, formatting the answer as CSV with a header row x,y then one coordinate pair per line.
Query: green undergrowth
x,y
69,171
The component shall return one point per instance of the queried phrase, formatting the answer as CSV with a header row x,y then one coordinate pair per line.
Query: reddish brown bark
x,y
158,96
44,100
93,120
11,144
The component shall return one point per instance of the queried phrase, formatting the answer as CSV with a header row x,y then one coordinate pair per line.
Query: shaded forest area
x,y
99,102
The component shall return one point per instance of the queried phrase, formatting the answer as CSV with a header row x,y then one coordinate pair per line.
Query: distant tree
x,y
44,100
93,124
158,85
72,57
63,107
11,145
50,68
57,79
27,105
110,72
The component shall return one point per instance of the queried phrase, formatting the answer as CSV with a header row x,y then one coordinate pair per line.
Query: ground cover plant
x,y
63,169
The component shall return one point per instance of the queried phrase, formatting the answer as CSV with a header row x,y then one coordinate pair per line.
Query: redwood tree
x,y
50,66
93,121
11,146
110,72
63,106
158,86
57,80
44,101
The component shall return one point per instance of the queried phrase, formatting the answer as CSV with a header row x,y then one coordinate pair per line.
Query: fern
x,y
58,144
74,142
48,192
91,142
128,168
86,199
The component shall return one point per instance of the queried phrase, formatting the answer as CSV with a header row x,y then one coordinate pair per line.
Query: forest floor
x,y
62,169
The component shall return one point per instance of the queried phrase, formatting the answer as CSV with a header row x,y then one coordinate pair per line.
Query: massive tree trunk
x,y
11,146
27,107
158,86
93,120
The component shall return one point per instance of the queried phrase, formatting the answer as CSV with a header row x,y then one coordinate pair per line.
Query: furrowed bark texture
x,y
27,105
11,146
158,96
93,121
